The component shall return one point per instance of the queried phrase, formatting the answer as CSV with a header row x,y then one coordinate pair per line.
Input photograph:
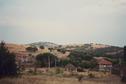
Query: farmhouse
x,y
103,64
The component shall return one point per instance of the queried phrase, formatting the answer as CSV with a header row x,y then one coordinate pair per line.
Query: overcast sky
x,y
63,21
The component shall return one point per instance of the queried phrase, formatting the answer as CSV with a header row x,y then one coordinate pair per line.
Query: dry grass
x,y
58,80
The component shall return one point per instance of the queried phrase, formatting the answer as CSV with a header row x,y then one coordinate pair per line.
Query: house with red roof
x,y
103,64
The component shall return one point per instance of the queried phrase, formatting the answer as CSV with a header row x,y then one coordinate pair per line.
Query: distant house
x,y
103,64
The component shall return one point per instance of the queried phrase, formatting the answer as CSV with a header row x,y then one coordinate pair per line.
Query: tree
x,y
124,53
63,62
50,49
32,49
42,47
123,66
46,60
7,61
61,50
81,59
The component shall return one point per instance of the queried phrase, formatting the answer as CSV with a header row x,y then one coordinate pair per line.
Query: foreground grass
x,y
58,80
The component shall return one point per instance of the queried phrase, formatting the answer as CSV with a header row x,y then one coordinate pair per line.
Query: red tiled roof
x,y
104,62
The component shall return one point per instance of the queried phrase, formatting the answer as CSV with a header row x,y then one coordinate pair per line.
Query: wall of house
x,y
105,67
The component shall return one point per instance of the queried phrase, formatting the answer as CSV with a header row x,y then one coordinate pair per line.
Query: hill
x,y
45,44
16,47
101,50
93,49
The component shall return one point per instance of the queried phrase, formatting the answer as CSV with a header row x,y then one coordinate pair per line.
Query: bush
x,y
42,47
31,72
90,75
58,71
32,49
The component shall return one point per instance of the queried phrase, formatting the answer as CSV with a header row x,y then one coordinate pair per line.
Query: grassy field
x,y
42,79
58,76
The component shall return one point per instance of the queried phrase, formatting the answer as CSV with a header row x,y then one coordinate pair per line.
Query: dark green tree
x,y
63,62
7,61
124,54
123,66
42,47
61,50
31,49
82,59
50,49
46,60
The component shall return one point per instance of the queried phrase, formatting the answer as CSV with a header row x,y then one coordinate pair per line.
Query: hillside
x,y
94,49
101,50
45,44
16,47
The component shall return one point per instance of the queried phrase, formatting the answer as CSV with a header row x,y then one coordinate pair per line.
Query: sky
x,y
63,21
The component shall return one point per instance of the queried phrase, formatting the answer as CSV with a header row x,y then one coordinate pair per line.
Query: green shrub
x,y
31,72
90,75
58,71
